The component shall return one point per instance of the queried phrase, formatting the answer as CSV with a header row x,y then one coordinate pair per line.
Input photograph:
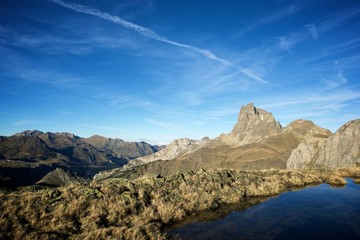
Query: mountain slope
x,y
120,148
27,156
340,150
257,141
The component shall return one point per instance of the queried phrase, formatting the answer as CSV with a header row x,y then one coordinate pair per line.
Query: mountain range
x,y
257,141
27,156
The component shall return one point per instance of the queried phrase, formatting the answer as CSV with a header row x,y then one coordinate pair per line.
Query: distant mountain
x,y
120,148
27,156
175,149
257,141
340,150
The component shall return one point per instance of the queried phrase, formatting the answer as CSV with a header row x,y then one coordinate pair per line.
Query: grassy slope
x,y
139,209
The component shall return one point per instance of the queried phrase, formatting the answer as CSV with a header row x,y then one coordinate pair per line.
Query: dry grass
x,y
139,209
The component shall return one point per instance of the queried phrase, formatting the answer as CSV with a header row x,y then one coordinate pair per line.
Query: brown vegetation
x,y
140,209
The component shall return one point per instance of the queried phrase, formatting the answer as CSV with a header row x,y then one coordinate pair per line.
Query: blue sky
x,y
156,70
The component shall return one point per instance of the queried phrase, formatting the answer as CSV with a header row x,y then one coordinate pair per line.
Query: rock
x,y
57,178
312,137
342,149
303,155
253,125
307,130
29,133
175,149
339,150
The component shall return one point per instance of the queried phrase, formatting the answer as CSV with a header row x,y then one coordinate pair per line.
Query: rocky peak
x,y
68,135
29,133
253,125
57,178
307,130
251,117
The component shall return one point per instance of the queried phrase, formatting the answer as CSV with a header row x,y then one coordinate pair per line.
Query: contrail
x,y
153,35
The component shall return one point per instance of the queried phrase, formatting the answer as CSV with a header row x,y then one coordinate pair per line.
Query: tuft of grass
x,y
140,209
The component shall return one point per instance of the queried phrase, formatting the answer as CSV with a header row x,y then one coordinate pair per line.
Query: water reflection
x,y
320,212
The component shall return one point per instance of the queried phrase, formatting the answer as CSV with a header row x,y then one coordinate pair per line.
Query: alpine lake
x,y
317,212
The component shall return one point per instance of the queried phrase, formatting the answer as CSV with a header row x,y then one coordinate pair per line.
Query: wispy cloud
x,y
127,101
153,35
25,122
111,129
9,114
169,126
272,17
313,30
321,106
336,19
53,78
285,43
317,29
336,81
51,44
64,112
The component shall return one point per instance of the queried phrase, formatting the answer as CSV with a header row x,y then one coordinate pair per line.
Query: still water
x,y
321,212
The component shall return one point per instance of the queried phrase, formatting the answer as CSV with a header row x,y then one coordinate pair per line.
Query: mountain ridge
x,y
342,149
27,156
257,141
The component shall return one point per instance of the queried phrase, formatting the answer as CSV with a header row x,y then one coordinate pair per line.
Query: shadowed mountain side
x,y
58,178
122,149
27,156
29,148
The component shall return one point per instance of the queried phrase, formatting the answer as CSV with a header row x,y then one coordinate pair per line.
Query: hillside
x,y
257,141
340,150
28,156
141,209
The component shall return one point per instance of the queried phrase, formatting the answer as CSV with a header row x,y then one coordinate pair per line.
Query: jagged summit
x,y
253,125
29,133
251,117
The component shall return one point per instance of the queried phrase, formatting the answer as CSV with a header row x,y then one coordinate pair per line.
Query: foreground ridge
x,y
139,209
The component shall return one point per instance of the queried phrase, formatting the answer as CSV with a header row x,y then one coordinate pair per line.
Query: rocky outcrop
x,y
342,149
306,130
57,178
339,150
175,149
253,125
312,137
29,133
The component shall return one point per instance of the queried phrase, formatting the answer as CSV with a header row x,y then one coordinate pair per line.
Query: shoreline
x,y
142,208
